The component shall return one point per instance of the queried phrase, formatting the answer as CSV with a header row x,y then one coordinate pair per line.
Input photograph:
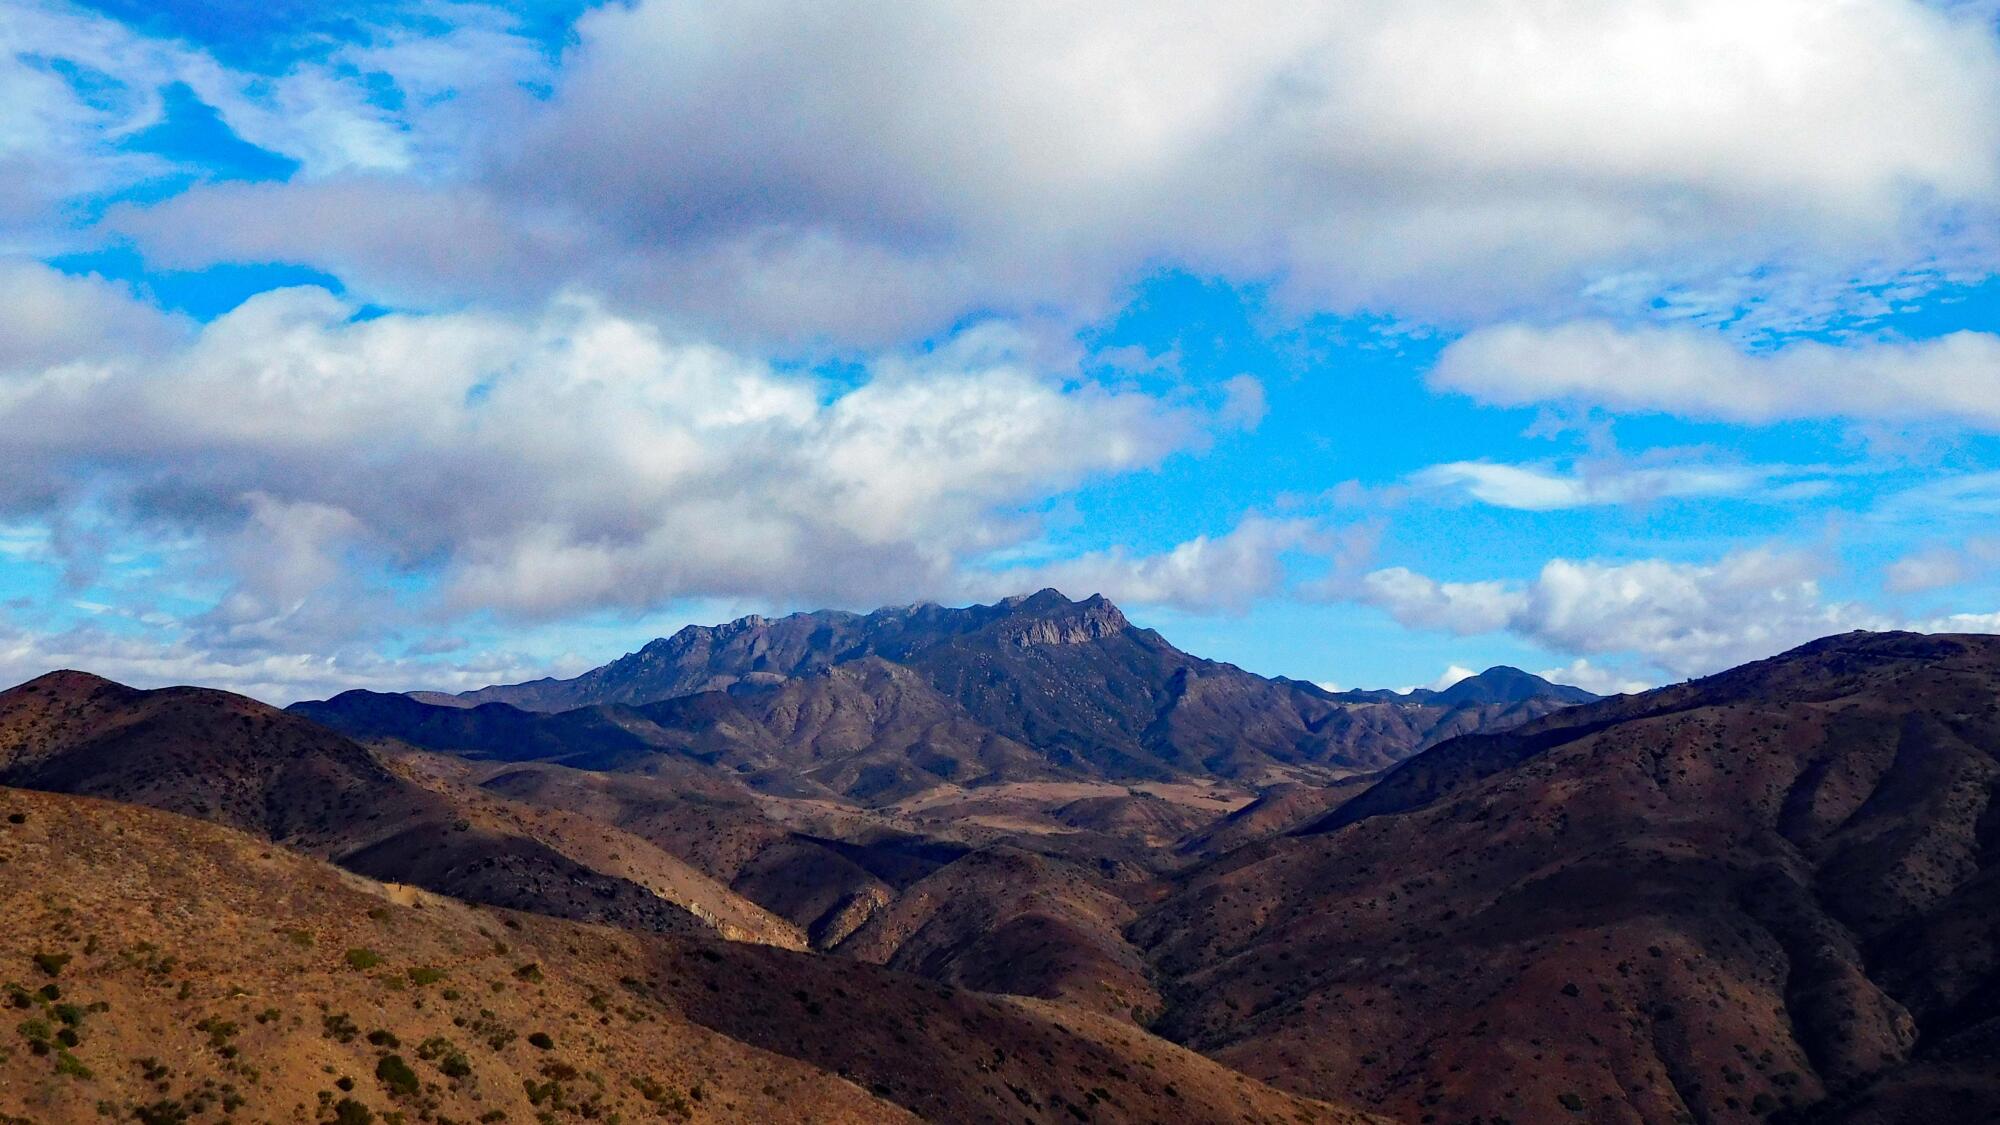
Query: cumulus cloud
x,y
1686,618
49,318
1225,573
1458,607
760,164
1451,675
546,464
1602,679
1701,373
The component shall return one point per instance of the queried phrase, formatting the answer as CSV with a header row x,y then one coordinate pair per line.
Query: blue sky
x,y
427,345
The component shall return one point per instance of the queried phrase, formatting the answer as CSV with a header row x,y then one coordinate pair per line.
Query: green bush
x,y
363,959
446,1055
397,1076
51,963
339,1027
70,1065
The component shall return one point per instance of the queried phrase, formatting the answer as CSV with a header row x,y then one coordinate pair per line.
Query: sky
x,y
408,345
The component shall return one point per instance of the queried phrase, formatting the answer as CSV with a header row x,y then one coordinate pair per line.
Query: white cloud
x,y
1458,607
1702,374
48,318
1685,618
1546,488
160,658
1204,574
549,463
1597,678
1451,675
1939,566
862,171
1962,623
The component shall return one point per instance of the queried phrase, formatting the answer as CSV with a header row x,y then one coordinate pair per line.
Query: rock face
x,y
882,706
1776,887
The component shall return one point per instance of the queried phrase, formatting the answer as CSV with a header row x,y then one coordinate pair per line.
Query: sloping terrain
x,y
178,971
164,969
1003,920
1771,891
240,763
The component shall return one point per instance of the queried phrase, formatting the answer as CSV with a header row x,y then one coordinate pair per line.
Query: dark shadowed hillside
x,y
240,763
1769,891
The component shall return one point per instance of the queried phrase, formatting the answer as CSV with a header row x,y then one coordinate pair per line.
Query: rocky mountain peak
x,y
1049,618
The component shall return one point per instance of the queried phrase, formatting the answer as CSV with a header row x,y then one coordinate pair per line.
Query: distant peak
x,y
1046,617
1504,683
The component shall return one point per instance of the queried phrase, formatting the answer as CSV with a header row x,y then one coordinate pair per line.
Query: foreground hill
x,y
237,762
1773,891
879,706
164,969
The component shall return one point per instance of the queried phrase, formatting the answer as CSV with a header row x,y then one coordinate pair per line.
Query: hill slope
x,y
165,969
237,762
1772,888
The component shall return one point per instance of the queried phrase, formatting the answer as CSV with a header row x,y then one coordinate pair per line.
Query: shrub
x,y
425,974
541,1039
51,963
350,1112
363,959
161,1113
397,1075
446,1055
220,1032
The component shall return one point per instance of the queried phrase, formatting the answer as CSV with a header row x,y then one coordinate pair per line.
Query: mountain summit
x,y
881,705
757,649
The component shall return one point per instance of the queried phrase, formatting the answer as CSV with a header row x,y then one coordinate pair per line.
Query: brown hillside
x,y
1714,902
194,972
235,761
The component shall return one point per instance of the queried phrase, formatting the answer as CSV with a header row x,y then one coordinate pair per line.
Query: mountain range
x,y
1009,863
882,706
